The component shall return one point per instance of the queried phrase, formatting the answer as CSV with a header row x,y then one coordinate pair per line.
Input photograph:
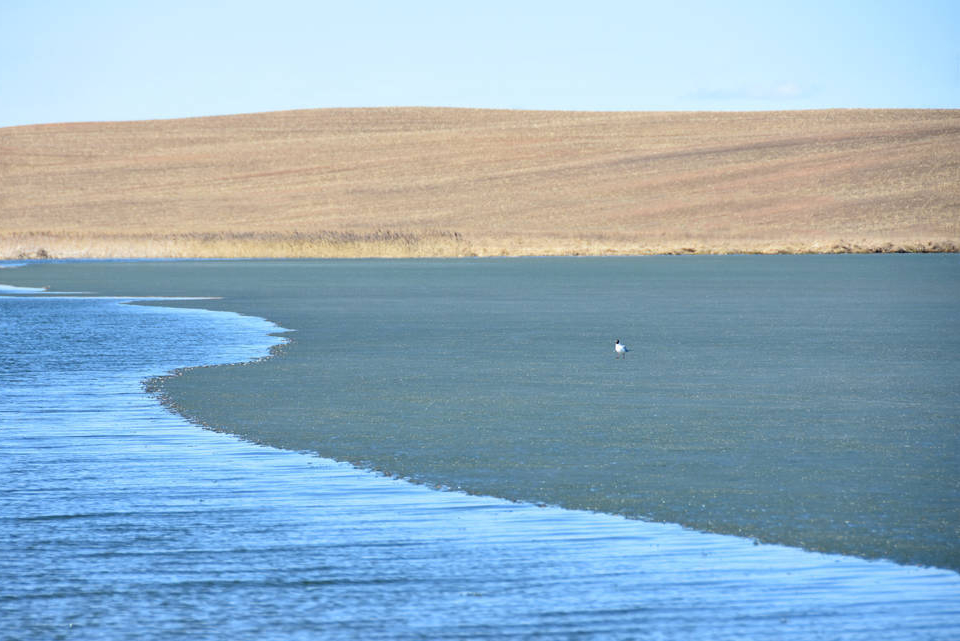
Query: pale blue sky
x,y
124,60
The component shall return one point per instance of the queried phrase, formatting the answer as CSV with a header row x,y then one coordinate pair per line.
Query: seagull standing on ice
x,y
620,349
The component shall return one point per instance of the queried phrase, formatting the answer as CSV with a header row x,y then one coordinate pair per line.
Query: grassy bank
x,y
386,244
379,243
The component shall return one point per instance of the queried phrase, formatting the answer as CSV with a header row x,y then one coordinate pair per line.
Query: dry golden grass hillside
x,y
417,181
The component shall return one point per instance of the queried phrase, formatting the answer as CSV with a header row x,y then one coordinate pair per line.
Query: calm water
x,y
122,521
811,401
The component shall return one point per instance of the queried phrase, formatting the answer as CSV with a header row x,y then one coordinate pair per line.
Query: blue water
x,y
119,520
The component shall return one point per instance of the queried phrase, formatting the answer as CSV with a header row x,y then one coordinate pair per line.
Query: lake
x,y
803,403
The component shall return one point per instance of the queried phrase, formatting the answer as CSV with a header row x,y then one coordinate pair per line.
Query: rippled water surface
x,y
122,521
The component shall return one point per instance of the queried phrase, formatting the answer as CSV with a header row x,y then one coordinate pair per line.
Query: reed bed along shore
x,y
409,182
379,243
386,244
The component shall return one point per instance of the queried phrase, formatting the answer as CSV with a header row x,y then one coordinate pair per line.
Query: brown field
x,y
454,182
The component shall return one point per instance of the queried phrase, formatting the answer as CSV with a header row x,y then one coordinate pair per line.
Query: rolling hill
x,y
446,182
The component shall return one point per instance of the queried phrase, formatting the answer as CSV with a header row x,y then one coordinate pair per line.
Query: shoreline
x,y
388,244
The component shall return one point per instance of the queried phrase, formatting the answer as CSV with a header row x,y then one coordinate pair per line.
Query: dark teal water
x,y
120,520
811,401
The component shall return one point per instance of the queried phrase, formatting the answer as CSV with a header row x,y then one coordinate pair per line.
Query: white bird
x,y
620,349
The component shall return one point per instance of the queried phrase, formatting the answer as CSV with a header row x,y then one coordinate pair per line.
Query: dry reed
x,y
383,243
387,244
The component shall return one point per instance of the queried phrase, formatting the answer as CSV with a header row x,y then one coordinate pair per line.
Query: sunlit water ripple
x,y
122,521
